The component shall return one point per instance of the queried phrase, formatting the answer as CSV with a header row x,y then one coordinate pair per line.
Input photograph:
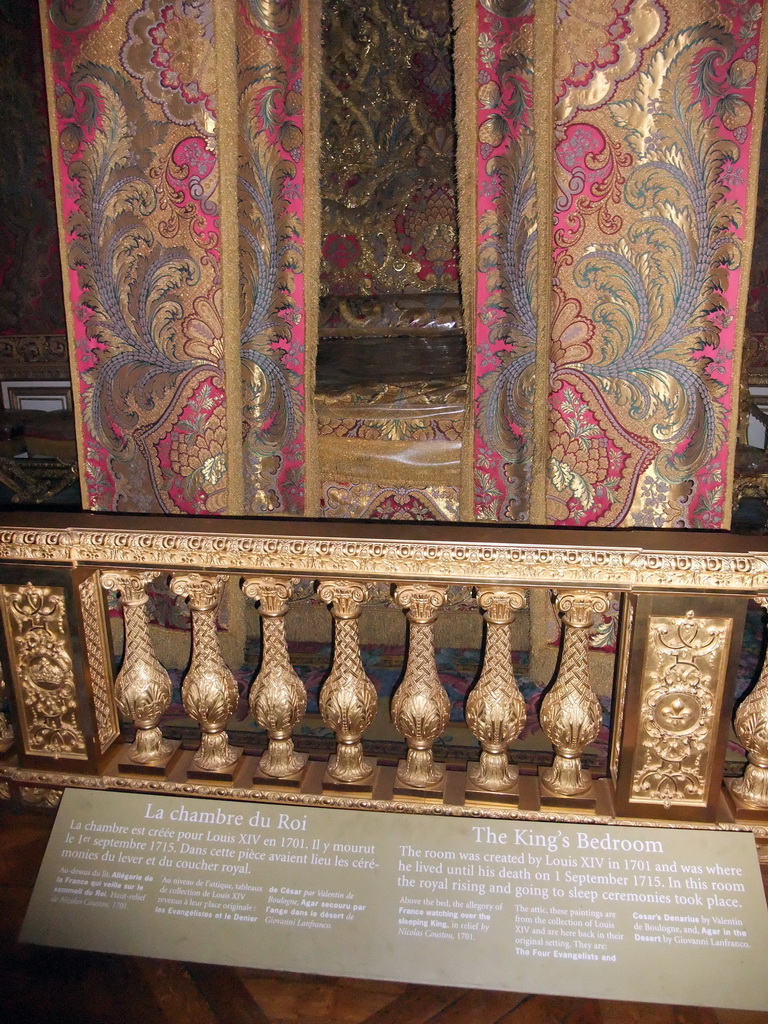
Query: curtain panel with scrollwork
x,y
180,157
608,345
606,169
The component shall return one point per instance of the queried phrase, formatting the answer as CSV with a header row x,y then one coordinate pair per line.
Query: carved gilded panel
x,y
41,661
97,652
675,674
683,673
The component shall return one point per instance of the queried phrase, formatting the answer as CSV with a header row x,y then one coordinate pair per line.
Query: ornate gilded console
x,y
684,602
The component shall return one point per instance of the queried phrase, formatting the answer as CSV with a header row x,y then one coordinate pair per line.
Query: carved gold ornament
x,y
143,687
41,661
495,709
460,557
278,699
209,690
348,698
40,796
751,725
570,712
98,654
420,707
685,660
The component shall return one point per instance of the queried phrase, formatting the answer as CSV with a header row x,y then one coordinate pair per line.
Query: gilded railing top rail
x,y
618,559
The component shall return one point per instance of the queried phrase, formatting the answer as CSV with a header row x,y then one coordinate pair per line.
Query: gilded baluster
x,y
278,699
209,690
751,726
6,729
142,688
495,708
571,713
348,697
420,707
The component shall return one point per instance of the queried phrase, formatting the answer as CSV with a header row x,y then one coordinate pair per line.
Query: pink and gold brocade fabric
x,y
649,175
139,92
606,347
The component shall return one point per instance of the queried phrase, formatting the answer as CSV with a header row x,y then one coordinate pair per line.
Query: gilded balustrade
x,y
209,690
570,712
348,697
420,707
278,699
495,708
143,687
671,710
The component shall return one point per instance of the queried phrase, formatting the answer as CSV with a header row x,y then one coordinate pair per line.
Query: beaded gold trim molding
x,y
510,562
37,777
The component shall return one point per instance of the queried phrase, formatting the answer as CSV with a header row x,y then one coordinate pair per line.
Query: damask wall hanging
x,y
180,162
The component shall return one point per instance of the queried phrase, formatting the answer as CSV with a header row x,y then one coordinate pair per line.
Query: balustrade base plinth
x,y
159,767
359,787
476,794
218,775
741,810
586,801
434,791
293,781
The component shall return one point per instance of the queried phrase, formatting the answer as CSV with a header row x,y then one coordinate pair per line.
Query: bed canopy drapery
x,y
218,215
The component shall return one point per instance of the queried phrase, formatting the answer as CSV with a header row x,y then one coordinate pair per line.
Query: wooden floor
x,y
51,986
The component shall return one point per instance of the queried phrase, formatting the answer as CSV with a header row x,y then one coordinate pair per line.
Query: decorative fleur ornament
x,y
420,707
143,687
751,726
348,697
209,690
278,699
495,708
571,713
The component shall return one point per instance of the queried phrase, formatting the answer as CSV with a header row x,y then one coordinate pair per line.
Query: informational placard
x,y
661,915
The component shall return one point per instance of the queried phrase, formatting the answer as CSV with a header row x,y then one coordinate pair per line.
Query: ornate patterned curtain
x,y
180,166
607,348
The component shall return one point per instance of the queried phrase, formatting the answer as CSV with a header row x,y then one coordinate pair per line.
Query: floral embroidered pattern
x,y
387,162
659,174
141,227
169,50
652,145
271,253
506,334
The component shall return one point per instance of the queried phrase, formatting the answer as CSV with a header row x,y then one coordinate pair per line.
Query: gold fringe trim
x,y
225,50
465,71
758,114
312,56
544,137
71,347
